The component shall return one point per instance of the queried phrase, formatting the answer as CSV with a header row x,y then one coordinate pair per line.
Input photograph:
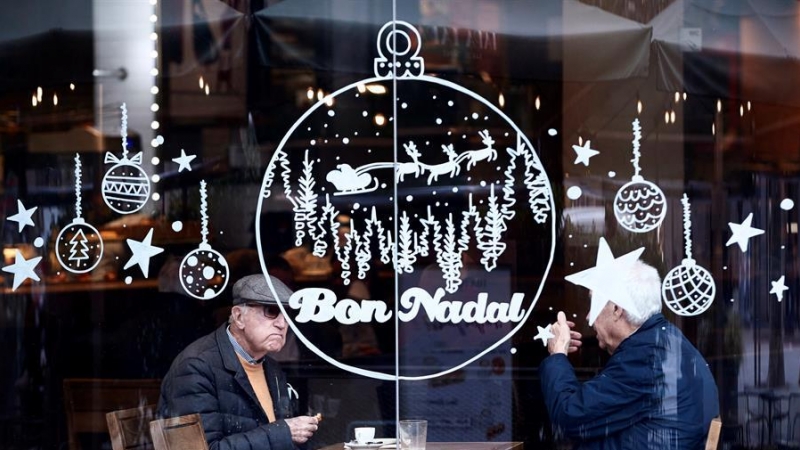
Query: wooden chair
x,y
87,400
129,428
179,433
713,434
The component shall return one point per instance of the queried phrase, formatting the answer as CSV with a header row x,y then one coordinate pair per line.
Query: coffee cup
x,y
364,434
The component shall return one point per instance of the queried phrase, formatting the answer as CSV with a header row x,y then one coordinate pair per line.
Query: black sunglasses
x,y
270,311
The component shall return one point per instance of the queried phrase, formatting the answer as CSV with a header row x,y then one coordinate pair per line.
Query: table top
x,y
457,446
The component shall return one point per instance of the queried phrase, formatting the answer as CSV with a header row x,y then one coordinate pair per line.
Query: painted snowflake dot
x,y
126,187
688,289
204,273
79,247
640,206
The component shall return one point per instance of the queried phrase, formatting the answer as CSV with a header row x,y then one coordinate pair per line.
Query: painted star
x,y
778,287
603,279
544,334
743,232
23,216
142,252
584,153
22,269
184,161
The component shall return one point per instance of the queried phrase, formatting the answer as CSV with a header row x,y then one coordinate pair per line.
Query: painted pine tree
x,y
306,208
449,259
490,236
406,255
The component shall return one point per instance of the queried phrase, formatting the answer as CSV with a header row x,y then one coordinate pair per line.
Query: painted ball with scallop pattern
x,y
204,273
640,206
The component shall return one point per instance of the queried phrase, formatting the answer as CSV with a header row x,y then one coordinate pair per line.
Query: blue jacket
x,y
656,392
207,378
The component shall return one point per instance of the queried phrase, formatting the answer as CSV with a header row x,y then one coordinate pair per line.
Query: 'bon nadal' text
x,y
322,305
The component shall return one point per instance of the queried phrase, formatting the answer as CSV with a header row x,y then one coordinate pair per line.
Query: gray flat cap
x,y
254,289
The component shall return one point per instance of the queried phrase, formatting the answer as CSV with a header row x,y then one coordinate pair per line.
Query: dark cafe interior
x,y
433,181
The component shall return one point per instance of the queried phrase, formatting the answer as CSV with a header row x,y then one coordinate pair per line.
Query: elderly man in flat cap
x,y
228,377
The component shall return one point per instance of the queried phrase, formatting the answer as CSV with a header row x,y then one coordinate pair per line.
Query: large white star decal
x,y
743,232
603,279
23,216
22,269
544,334
184,161
778,287
584,153
142,252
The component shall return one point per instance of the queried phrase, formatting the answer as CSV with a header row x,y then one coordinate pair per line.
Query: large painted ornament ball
x,y
126,187
640,206
79,247
204,273
688,289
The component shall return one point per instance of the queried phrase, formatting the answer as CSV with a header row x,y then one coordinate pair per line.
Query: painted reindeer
x,y
451,166
487,153
406,168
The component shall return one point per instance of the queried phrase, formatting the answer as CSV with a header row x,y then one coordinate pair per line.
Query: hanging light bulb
x,y
34,100
713,129
39,94
684,96
672,116
580,140
719,105
639,106
201,82
72,87
677,96
741,110
310,93
320,94
666,116
748,105
55,99
538,102
208,90
380,119
501,100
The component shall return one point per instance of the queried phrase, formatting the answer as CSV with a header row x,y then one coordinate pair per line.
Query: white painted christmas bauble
x,y
640,206
126,187
79,247
688,289
204,273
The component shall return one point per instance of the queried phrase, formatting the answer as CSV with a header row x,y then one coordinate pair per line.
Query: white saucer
x,y
373,444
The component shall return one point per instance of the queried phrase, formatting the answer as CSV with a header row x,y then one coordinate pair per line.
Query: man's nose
x,y
280,321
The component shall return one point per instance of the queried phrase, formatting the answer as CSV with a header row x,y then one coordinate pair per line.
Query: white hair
x,y
644,289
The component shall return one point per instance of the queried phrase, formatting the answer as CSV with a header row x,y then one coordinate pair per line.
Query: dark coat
x,y
656,392
207,378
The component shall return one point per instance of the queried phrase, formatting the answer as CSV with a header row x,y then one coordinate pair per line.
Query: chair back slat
x,y
129,428
178,433
713,434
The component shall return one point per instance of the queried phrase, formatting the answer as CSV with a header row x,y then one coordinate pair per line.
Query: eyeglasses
x,y
270,311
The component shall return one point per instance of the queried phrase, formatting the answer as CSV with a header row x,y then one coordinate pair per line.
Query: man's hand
x,y
565,340
302,428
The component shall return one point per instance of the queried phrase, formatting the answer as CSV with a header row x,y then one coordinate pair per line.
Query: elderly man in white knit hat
x,y
229,378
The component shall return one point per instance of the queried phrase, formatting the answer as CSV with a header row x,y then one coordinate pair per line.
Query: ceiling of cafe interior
x,y
764,137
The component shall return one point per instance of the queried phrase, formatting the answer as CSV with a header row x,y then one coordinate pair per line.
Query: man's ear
x,y
236,313
617,311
